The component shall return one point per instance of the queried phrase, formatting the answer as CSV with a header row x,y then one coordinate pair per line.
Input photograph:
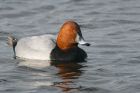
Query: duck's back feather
x,y
35,47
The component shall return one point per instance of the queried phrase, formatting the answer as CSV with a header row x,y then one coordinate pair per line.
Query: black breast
x,y
74,54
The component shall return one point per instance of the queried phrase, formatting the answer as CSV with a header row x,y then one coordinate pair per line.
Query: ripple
x,y
93,13
110,46
128,14
95,89
17,15
110,52
45,8
123,21
137,57
135,30
115,33
89,26
126,0
3,80
134,61
6,8
3,33
127,22
76,0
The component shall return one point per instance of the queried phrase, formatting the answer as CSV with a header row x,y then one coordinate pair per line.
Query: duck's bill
x,y
82,42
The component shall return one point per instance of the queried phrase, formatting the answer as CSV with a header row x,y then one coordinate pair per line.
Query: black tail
x,y
12,42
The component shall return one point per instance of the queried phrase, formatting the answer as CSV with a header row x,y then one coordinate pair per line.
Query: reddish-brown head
x,y
68,34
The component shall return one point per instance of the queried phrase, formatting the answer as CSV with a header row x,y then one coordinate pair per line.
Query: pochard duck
x,y
47,47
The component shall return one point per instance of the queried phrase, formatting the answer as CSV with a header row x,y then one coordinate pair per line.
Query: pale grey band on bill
x,y
80,40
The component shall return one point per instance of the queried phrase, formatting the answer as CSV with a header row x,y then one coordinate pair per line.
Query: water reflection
x,y
68,72
47,74
36,64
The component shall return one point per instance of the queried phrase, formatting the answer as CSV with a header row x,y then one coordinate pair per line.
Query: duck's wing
x,y
35,47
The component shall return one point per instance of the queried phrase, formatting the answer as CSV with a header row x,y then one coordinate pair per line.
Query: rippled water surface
x,y
111,26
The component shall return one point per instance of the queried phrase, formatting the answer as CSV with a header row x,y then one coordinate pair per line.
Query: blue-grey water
x,y
111,26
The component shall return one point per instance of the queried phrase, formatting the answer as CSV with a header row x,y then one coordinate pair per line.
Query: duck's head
x,y
70,36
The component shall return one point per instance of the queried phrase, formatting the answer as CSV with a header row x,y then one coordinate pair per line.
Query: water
x,y
111,26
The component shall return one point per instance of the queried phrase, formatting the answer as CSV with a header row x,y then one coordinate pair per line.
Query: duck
x,y
64,47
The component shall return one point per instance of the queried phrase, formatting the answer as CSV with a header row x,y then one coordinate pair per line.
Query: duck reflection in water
x,y
68,72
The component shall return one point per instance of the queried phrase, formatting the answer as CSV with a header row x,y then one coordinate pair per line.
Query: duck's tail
x,y
12,42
